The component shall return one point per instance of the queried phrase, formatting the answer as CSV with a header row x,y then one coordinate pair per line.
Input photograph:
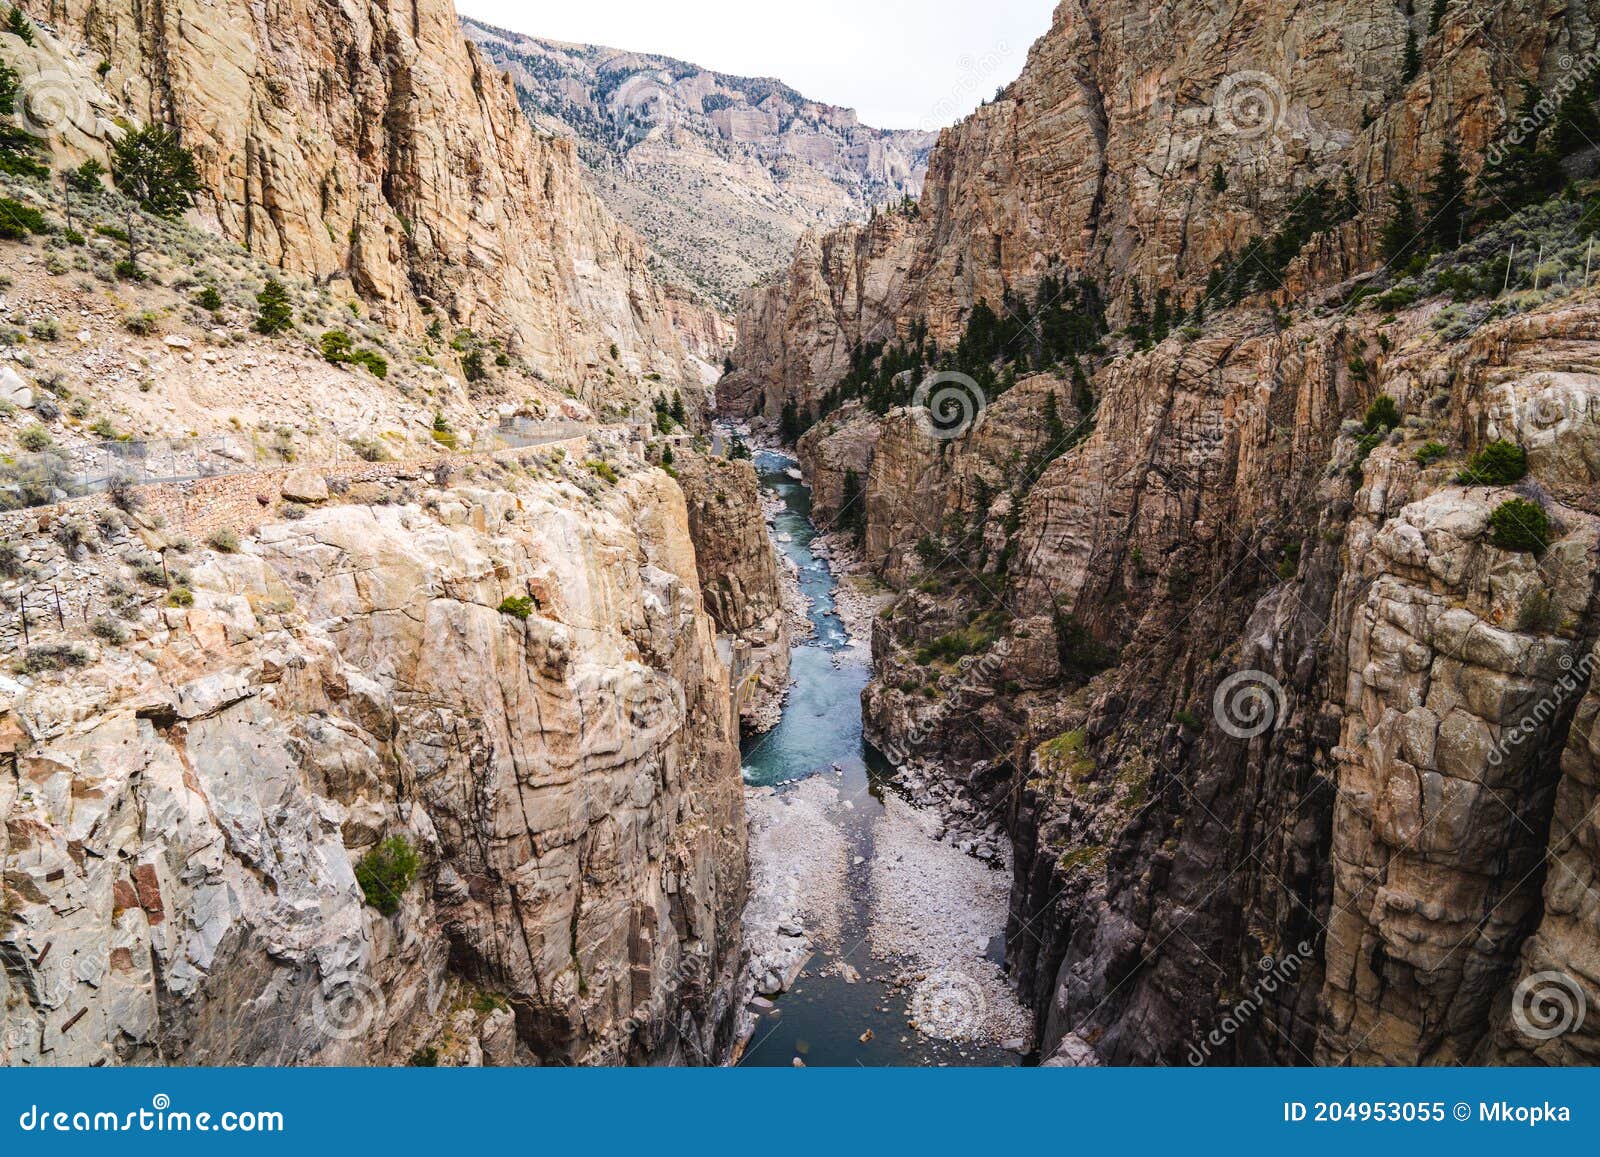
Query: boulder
x,y
305,486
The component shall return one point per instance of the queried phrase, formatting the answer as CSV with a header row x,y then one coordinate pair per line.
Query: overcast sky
x,y
901,64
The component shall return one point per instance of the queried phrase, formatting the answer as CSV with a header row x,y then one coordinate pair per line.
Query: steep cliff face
x,y
190,821
693,158
372,144
1142,146
738,566
1291,727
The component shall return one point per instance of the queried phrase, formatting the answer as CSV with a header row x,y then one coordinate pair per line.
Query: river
x,y
844,992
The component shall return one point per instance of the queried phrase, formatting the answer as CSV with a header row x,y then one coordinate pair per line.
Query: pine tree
x,y
1411,62
1219,179
852,516
1520,172
151,167
274,314
677,408
1576,127
1399,233
1445,201
1436,17
1349,198
18,148
18,24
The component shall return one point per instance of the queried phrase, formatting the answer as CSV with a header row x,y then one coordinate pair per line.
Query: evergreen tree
x,y
1055,431
1399,233
151,167
1445,201
1576,128
273,314
852,516
1349,198
677,408
1436,17
1411,61
1219,179
1520,172
18,24
18,148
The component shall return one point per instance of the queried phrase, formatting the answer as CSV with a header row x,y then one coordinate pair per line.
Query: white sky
x,y
901,64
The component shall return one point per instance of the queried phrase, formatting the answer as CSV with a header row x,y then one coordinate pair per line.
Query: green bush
x,y
86,178
517,606
224,541
209,298
35,438
1497,464
386,872
337,346
18,220
1521,526
602,470
54,657
1383,414
1430,453
180,596
375,363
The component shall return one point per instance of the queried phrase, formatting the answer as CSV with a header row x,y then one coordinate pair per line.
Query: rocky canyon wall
x,y
1294,748
201,789
371,146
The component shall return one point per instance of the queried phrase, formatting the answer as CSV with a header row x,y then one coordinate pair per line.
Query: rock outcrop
x,y
376,148
696,159
193,813
1290,726
738,567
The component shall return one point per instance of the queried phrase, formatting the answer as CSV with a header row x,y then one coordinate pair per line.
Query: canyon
x,y
1131,599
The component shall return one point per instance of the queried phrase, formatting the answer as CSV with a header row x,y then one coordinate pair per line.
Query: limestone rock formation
x,y
377,148
719,173
190,820
738,567
1291,730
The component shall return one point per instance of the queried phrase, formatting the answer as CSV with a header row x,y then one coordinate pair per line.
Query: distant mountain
x,y
720,174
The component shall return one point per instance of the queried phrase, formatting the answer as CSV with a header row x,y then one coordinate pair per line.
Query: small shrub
x,y
425,1058
48,329
103,428
602,470
17,220
144,323
372,361
1430,453
1383,414
124,494
1519,525
293,511
517,606
107,628
386,872
1538,614
1187,719
224,540
180,596
126,270
54,657
337,346
35,438
369,449
209,298
1497,464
